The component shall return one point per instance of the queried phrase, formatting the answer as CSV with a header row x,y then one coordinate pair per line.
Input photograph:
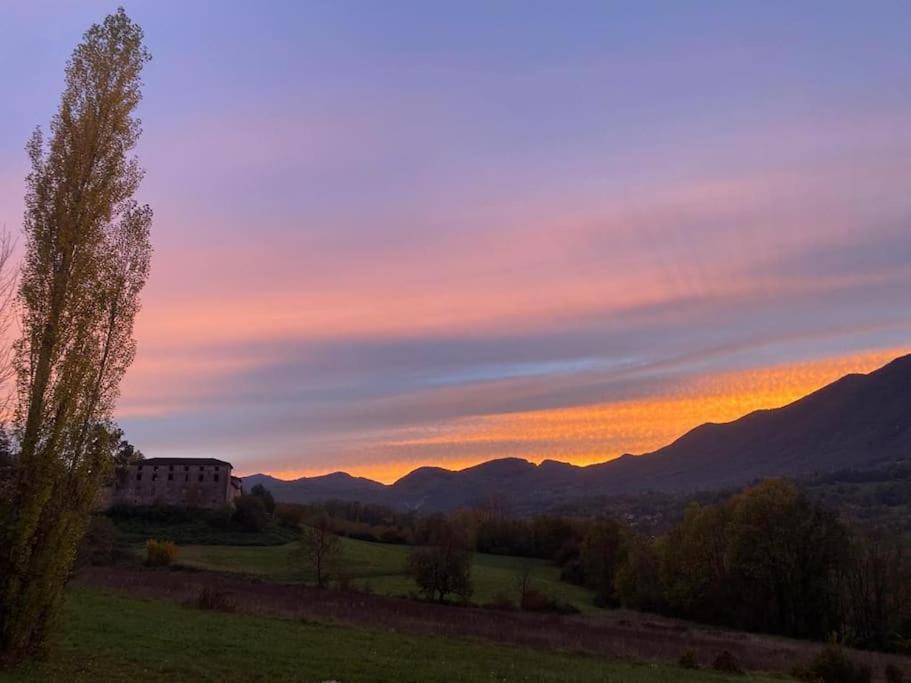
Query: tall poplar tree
x,y
86,259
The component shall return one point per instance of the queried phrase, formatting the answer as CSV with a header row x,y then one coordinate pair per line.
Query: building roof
x,y
183,461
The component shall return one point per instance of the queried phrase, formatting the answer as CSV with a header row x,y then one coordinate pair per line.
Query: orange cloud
x,y
589,434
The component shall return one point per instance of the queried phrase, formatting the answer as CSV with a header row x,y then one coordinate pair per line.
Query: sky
x,y
406,233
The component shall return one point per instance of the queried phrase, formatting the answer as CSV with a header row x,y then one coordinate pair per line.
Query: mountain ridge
x,y
855,421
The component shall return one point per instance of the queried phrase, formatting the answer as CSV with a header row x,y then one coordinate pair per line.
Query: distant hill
x,y
338,485
858,421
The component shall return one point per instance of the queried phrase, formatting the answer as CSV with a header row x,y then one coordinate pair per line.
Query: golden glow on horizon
x,y
589,434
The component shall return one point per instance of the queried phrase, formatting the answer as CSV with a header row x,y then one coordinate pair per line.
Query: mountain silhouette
x,y
858,421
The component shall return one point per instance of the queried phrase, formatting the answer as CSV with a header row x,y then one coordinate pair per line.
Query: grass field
x,y
382,567
114,638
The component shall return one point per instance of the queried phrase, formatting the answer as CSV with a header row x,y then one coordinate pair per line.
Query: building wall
x,y
204,486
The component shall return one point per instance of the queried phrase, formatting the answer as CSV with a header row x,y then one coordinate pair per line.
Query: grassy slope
x,y
114,638
382,566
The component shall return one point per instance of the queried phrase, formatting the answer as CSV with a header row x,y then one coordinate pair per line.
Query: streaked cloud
x,y
388,238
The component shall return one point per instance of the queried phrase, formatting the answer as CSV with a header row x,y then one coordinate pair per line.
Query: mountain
x,y
340,485
859,421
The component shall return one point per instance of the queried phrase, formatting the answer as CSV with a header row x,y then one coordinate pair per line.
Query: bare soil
x,y
615,633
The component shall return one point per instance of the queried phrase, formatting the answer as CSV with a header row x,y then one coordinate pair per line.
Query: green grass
x,y
382,567
114,638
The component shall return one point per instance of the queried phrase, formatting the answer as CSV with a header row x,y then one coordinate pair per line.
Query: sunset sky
x,y
399,233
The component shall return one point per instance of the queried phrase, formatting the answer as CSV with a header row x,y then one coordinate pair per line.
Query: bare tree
x,y
86,259
319,550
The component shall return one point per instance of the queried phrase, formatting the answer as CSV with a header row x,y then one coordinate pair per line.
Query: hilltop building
x,y
181,482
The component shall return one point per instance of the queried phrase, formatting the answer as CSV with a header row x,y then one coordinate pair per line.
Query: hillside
x,y
858,421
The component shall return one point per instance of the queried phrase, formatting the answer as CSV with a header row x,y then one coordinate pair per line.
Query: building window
x,y
170,477
139,476
154,477
186,468
216,477
200,476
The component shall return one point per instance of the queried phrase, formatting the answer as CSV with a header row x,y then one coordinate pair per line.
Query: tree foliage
x,y
770,560
443,568
265,496
86,260
250,514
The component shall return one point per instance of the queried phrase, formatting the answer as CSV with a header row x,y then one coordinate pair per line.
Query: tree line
x,y
765,559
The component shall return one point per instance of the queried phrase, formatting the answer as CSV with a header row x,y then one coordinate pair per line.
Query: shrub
x,y
727,663
209,598
160,553
250,514
833,665
500,601
533,600
688,660
894,674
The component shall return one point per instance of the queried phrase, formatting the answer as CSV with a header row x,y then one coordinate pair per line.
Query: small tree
x,y
444,567
265,495
319,550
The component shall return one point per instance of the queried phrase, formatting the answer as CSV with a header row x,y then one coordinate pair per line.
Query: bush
x,y
160,553
500,601
833,665
727,663
688,660
535,601
209,598
250,514
894,674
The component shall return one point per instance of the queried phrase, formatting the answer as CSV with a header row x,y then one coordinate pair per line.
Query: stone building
x,y
181,482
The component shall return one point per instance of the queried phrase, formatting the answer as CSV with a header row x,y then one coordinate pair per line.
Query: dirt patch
x,y
616,633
